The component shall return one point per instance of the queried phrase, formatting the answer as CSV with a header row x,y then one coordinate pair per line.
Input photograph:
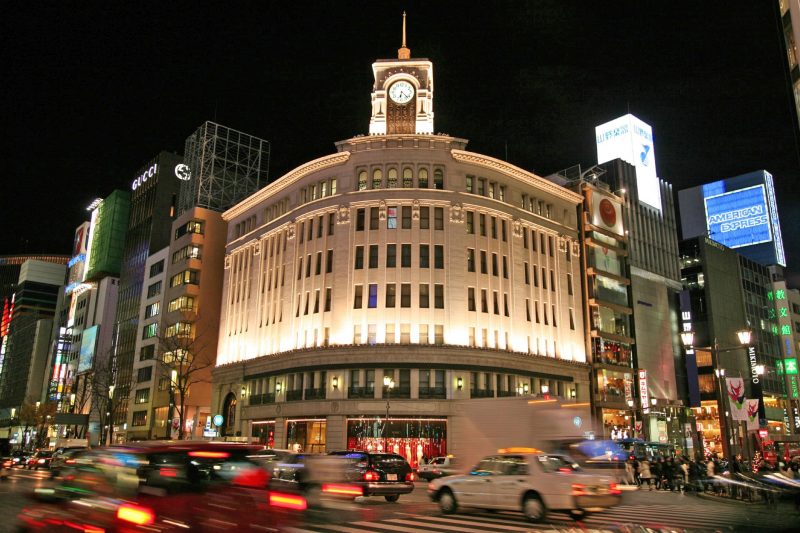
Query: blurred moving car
x,y
527,480
40,459
162,486
19,458
64,459
438,467
268,457
377,474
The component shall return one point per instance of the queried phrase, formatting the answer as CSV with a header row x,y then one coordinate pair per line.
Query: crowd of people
x,y
710,474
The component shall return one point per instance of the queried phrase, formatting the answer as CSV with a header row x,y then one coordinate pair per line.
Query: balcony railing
x,y
294,395
481,393
429,393
397,392
315,394
261,399
360,392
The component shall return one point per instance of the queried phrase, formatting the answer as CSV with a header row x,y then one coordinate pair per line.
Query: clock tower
x,y
402,95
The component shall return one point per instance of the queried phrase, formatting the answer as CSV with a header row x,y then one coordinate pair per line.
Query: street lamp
x,y
109,414
388,383
744,336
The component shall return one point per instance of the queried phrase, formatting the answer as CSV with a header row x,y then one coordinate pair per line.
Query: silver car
x,y
527,480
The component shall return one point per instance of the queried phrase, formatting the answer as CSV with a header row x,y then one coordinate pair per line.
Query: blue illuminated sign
x,y
88,343
739,218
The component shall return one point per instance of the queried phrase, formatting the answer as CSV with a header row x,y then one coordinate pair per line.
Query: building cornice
x,y
516,172
284,181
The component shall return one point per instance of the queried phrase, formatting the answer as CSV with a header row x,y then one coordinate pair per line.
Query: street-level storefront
x,y
306,435
416,439
708,427
263,432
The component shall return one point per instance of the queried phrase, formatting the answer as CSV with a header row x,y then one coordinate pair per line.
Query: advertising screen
x,y
606,213
739,218
88,343
631,140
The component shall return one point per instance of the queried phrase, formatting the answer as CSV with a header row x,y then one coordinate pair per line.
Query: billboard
x,y
606,213
739,218
88,344
631,140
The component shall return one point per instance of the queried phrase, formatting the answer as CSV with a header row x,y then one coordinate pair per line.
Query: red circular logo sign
x,y
608,213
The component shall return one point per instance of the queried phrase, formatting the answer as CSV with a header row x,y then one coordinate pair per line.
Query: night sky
x,y
90,92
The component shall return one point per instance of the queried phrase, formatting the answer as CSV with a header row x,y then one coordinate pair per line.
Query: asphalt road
x,y
414,513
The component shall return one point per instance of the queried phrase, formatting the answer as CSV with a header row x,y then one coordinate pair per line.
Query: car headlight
x,y
41,461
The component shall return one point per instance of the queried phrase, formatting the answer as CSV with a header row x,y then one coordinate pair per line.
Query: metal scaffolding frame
x,y
226,167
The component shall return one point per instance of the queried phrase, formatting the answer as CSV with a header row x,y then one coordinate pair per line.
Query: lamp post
x,y
744,336
388,382
110,414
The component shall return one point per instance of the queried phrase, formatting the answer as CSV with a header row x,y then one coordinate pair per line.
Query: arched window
x,y
408,178
362,180
423,178
229,408
438,179
392,178
377,178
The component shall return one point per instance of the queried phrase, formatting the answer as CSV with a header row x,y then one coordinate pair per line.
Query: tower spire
x,y
404,52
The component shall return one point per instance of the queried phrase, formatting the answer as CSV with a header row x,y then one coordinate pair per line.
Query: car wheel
x,y
392,497
533,508
447,502
577,514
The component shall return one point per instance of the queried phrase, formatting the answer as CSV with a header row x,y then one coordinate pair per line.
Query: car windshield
x,y
384,461
438,461
557,463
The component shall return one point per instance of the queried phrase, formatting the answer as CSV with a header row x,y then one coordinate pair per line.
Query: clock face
x,y
401,92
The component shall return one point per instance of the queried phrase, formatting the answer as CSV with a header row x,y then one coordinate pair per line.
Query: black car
x,y
377,474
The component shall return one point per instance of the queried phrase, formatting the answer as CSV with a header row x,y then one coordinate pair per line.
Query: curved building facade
x,y
396,294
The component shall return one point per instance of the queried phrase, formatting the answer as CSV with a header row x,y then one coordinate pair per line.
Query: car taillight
x,y
141,516
369,475
578,489
70,461
41,461
613,489
287,501
344,490
410,476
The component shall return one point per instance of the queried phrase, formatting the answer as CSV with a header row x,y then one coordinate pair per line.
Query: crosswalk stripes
x,y
695,518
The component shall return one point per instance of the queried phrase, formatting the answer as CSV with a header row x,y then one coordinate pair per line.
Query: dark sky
x,y
90,92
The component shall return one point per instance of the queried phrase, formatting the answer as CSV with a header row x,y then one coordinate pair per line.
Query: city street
x,y
414,513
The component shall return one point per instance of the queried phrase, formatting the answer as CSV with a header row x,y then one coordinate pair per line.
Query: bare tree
x,y
185,360
39,416
104,403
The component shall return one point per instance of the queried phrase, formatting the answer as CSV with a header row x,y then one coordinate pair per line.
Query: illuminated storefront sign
x,y
606,213
739,218
751,356
790,366
144,176
182,172
631,140
643,389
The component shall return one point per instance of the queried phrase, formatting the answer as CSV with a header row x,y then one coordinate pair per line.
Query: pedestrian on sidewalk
x,y
644,473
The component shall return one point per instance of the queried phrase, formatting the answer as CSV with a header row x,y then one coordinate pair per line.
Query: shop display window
x,y
416,439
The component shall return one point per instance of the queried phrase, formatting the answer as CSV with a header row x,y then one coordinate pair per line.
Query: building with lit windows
x,y
790,21
397,293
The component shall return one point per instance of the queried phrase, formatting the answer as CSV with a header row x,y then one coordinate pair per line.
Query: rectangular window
x,y
526,273
329,262
373,218
438,256
544,278
503,230
471,299
571,319
542,247
484,303
550,245
470,223
424,218
144,374
494,265
405,256
318,265
187,277
358,297
482,186
470,260
327,299
424,296
505,267
390,334
438,296
373,256
406,221
470,183
359,262
373,296
360,214
552,281
527,310
496,303
482,225
438,179
391,255
569,284
405,295
405,333
423,334
553,309
142,396
391,293
484,266
505,304
424,256
438,218
525,238
139,418
494,227
319,227
301,230
156,268
308,265
316,301
535,276
152,310
147,352
154,289
150,331
310,229
331,223
438,338
391,217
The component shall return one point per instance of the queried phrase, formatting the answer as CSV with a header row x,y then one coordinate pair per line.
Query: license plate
x,y
391,477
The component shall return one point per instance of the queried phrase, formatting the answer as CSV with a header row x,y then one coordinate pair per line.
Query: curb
x,y
723,499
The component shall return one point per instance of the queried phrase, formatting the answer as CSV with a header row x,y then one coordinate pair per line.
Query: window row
x,y
484,187
193,226
307,306
156,268
547,243
276,209
535,206
482,225
390,301
395,178
190,251
321,189
244,227
424,256
187,277
425,334
307,229
405,215
317,265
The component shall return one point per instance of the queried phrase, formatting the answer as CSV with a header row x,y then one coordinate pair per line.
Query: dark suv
x,y
162,487
378,474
